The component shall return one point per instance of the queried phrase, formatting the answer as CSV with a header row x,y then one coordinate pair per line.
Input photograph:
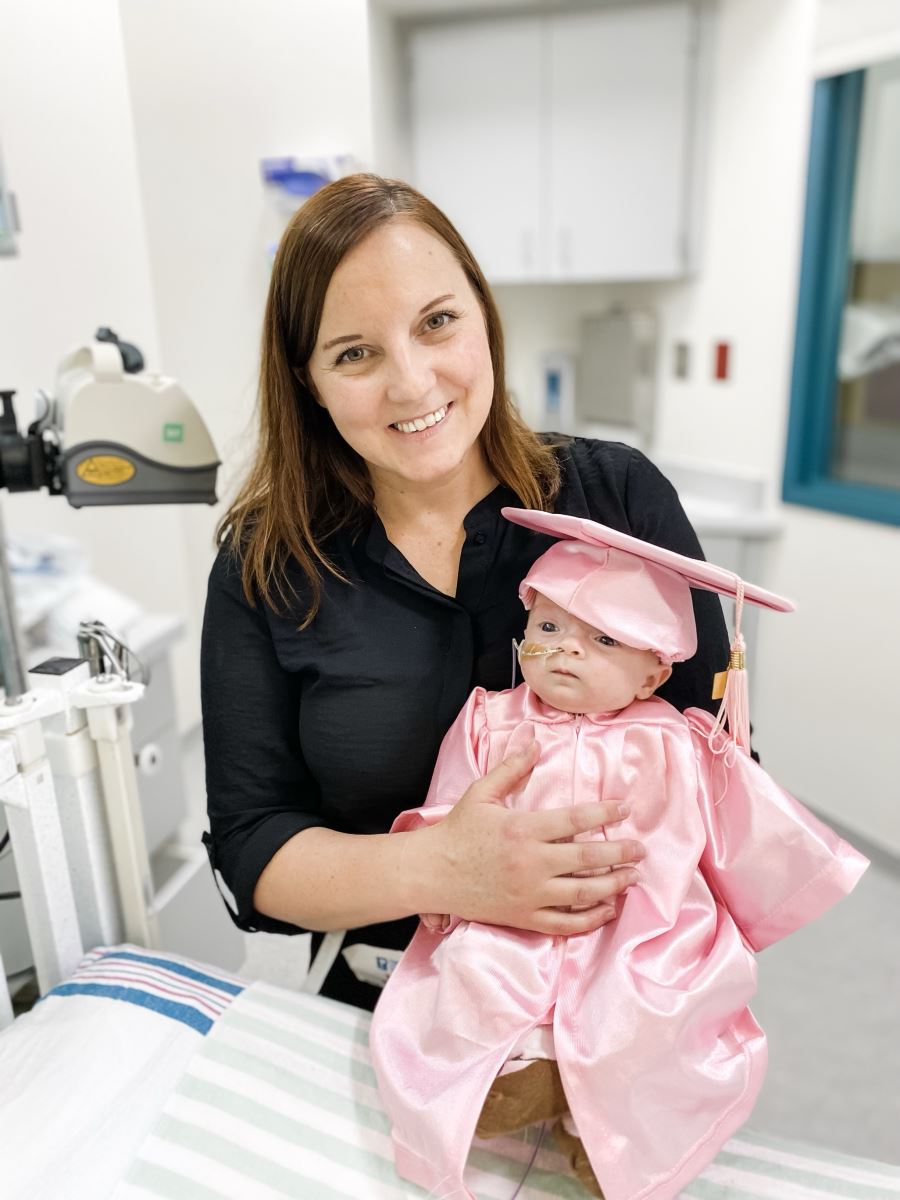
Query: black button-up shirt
x,y
339,725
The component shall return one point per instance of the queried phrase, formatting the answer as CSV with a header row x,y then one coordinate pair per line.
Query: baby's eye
x,y
605,640
548,627
353,354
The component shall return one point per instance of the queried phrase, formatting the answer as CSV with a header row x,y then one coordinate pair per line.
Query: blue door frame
x,y
824,279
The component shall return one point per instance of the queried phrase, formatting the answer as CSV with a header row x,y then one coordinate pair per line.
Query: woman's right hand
x,y
519,868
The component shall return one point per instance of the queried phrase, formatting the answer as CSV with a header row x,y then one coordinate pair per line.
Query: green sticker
x,y
173,432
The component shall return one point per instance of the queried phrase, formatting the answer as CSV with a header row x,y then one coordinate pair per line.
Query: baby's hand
x,y
436,922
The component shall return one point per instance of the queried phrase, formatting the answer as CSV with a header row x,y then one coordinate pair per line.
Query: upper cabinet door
x,y
476,121
620,114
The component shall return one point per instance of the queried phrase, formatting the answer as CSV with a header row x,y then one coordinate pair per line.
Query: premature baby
x,y
636,1036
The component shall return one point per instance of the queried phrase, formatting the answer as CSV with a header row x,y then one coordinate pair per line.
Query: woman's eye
x,y
605,640
353,354
548,627
439,320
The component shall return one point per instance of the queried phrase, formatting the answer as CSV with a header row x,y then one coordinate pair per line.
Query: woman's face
x,y
402,362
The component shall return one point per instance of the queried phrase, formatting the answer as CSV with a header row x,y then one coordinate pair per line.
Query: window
x,y
843,451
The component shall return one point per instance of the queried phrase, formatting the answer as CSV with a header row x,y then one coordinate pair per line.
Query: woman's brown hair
x,y
305,481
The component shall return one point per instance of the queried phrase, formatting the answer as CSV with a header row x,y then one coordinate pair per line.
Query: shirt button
x,y
479,539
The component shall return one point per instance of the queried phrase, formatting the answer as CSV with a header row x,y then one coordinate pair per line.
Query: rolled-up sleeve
x,y
259,790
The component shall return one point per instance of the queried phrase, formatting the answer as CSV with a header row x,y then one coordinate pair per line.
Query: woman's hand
x,y
519,869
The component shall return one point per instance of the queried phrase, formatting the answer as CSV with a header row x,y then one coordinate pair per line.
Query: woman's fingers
x,y
559,923
589,890
565,858
555,824
508,776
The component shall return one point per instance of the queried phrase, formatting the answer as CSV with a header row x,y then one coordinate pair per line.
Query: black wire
x,y
10,895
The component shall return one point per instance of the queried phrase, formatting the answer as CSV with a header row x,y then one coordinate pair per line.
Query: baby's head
x,y
589,671
615,621
617,612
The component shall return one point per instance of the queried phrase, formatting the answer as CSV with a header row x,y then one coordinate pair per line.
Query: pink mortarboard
x,y
639,594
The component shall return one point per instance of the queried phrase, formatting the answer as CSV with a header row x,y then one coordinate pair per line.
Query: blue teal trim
x,y
824,279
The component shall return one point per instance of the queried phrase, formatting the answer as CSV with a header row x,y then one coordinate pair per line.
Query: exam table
x,y
147,1076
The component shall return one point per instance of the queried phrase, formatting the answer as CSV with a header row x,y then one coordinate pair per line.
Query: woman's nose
x,y
410,377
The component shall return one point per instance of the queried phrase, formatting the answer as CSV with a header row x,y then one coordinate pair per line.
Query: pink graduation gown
x,y
660,1057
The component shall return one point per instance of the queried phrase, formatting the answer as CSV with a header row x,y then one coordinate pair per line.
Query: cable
x,y
534,1155
10,895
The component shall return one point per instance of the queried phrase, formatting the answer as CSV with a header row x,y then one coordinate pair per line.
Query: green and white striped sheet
x,y
280,1101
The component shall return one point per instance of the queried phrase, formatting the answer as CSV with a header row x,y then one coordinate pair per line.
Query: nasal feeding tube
x,y
535,649
525,649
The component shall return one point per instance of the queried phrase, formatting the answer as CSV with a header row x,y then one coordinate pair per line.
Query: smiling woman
x,y
412,391
366,582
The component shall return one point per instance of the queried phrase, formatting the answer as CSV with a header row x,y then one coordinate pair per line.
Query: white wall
x,y
69,154
855,33
215,88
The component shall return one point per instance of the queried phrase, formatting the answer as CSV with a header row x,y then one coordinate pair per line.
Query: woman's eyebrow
x,y
347,337
432,303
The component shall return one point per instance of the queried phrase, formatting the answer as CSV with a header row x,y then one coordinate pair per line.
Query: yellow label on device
x,y
719,684
105,470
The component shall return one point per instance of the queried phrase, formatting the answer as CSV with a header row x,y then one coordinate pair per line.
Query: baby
x,y
638,1035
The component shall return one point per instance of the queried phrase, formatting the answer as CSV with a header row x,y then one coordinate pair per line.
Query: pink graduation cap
x,y
640,594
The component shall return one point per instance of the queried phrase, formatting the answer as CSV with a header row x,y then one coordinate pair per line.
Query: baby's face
x,y
593,673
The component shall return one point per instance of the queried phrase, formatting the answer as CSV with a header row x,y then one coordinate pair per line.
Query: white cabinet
x,y
475,92
561,145
619,123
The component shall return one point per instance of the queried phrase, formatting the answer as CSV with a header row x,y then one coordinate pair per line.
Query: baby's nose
x,y
572,644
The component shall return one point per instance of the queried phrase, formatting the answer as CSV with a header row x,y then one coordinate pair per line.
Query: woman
x,y
366,582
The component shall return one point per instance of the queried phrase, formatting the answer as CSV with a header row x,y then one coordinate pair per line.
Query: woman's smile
x,y
423,424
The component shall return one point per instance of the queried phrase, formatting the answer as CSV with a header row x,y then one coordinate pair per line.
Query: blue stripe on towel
x,y
168,1008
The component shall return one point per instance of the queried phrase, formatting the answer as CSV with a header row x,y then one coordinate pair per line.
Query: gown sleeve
x,y
461,760
772,864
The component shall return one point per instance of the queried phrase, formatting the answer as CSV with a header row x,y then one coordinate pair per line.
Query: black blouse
x,y
340,725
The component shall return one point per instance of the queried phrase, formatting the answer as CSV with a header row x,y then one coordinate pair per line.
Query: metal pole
x,y
12,675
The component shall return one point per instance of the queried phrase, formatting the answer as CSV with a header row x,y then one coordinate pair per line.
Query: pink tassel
x,y
735,707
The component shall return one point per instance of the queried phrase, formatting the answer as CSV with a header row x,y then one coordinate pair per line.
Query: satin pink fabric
x,y
660,1057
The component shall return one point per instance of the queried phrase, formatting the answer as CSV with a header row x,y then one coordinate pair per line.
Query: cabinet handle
x,y
565,248
528,249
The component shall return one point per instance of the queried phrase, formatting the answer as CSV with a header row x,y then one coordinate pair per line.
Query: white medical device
x,y
112,434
